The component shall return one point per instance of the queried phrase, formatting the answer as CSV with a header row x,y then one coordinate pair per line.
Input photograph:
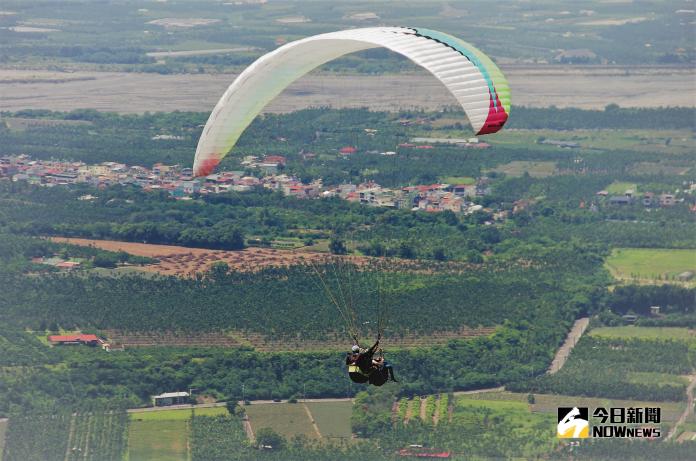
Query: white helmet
x,y
356,348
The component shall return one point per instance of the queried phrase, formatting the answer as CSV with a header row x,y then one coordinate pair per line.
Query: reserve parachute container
x,y
471,76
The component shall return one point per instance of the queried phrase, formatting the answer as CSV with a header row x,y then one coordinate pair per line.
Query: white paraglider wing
x,y
474,80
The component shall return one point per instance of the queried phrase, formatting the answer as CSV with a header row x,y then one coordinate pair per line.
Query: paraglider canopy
x,y
471,76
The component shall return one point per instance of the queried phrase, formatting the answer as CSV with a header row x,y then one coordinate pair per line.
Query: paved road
x,y
574,335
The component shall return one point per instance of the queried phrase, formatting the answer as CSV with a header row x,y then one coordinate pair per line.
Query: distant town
x,y
179,182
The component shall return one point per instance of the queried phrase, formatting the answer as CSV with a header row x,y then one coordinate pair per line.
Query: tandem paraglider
x,y
473,79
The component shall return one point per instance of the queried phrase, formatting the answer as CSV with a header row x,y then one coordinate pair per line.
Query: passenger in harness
x,y
363,367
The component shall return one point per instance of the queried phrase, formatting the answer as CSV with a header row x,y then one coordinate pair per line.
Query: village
x,y
180,184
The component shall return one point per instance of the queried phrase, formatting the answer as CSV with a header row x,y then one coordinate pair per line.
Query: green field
x,y
654,141
651,264
520,167
155,440
287,419
333,418
661,379
619,187
176,415
631,331
458,180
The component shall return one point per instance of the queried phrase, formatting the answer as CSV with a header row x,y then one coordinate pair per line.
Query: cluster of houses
x,y
457,198
180,183
647,199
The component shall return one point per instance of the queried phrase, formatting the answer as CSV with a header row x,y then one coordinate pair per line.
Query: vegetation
x,y
619,368
83,436
218,438
471,429
63,36
648,264
158,440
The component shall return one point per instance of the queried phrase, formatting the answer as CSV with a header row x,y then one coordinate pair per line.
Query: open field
x,y
653,141
288,419
185,261
333,418
458,180
176,415
649,264
158,441
176,54
535,169
619,187
540,86
627,332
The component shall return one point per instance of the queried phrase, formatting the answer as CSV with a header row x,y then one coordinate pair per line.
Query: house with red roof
x,y
347,150
88,340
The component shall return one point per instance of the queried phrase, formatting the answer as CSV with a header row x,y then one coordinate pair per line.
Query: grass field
x,y
535,169
619,187
333,418
626,332
458,180
155,440
649,264
655,141
176,415
287,419
661,379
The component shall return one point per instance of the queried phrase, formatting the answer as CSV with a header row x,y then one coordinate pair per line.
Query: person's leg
x,y
390,370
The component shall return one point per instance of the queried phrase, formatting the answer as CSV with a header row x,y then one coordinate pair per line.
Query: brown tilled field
x,y
185,261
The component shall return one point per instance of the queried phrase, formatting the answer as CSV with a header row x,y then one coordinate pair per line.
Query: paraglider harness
x,y
363,369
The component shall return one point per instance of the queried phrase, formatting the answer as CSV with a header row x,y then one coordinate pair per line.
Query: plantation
x,y
469,429
611,367
84,436
216,438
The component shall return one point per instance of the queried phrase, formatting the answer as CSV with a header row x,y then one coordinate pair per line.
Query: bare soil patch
x,y
186,262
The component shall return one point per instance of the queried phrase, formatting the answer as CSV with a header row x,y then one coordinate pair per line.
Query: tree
x,y
106,260
337,246
268,437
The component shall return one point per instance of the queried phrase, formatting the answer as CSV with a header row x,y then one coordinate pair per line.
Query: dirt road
x,y
574,335
688,410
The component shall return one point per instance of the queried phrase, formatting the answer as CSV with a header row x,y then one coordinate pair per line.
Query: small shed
x,y
629,318
654,310
170,398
